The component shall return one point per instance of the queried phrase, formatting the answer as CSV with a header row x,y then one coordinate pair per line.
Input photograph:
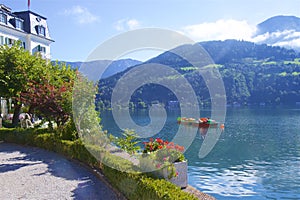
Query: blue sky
x,y
79,26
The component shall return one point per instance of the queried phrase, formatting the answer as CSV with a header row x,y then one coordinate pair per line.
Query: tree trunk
x,y
17,111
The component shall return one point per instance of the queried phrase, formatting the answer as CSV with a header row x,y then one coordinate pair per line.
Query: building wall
x,y
34,34
9,36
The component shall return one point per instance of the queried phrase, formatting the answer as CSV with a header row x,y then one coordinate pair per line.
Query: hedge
x,y
133,186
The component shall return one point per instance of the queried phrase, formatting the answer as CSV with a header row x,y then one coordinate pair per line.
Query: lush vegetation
x,y
252,74
132,185
41,87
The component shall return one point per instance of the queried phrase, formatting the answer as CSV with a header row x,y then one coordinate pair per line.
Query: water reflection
x,y
225,182
256,157
203,132
251,180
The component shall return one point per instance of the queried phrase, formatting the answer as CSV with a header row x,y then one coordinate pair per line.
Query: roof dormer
x,y
40,30
3,17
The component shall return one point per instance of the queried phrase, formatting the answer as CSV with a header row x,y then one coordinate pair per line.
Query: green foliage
x,y
68,131
17,67
43,87
86,118
129,141
188,68
296,73
283,74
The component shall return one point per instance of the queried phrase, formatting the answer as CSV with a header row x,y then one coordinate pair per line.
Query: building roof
x,y
28,11
33,23
5,8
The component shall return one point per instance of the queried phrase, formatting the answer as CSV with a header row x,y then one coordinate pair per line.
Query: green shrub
x,y
7,124
129,141
68,131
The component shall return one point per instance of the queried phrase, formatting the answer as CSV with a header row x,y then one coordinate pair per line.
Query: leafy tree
x,y
39,84
17,68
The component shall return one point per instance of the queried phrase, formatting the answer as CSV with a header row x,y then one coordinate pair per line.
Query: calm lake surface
x,y
256,157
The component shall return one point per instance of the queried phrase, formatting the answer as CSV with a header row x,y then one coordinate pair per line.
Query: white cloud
x,y
81,15
295,43
286,38
241,30
126,24
220,30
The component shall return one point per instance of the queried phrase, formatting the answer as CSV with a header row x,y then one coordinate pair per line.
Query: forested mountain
x,y
252,74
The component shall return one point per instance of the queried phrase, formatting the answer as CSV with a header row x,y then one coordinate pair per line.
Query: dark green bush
x,y
7,124
68,131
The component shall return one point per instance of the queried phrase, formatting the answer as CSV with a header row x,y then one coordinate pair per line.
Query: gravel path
x,y
36,174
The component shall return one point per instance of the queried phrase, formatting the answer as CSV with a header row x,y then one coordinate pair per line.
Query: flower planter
x,y
181,171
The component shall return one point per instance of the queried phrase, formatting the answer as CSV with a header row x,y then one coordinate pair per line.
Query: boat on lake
x,y
200,123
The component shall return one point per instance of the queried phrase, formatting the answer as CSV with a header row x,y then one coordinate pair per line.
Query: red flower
x,y
160,141
160,146
171,143
179,148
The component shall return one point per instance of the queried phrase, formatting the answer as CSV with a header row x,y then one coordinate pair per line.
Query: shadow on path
x,y
30,173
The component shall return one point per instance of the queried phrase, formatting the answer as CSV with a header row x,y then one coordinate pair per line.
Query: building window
x,y
3,18
2,40
19,24
9,41
41,49
41,30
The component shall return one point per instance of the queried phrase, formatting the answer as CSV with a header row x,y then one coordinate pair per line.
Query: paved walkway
x,y
33,173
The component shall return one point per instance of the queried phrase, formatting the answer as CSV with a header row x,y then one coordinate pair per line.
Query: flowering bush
x,y
158,143
164,154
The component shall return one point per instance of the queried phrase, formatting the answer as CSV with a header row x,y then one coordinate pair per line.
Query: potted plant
x,y
168,161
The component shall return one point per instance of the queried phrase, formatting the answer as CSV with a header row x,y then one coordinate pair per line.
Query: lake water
x,y
256,157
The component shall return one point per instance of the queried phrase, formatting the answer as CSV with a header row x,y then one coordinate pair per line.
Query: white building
x,y
27,26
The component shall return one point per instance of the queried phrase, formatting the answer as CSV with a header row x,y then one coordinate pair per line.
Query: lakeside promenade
x,y
33,173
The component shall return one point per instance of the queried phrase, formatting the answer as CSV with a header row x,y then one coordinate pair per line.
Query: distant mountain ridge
x,y
279,23
252,74
229,51
279,30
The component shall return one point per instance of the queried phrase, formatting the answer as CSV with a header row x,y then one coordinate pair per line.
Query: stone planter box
x,y
181,179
